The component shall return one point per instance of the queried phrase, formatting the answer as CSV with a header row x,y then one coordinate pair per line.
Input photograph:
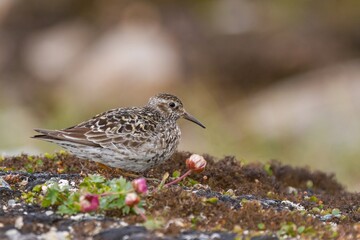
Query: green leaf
x,y
29,168
261,226
176,174
316,209
192,182
49,156
114,203
39,162
212,200
95,178
126,210
268,170
164,178
46,203
63,209
119,185
288,229
52,195
244,200
112,194
300,229
336,212
94,184
37,188
313,199
152,224
309,184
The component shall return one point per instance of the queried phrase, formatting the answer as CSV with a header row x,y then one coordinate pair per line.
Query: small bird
x,y
133,138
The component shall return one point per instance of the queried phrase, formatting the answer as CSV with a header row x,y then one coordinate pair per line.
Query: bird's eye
x,y
172,104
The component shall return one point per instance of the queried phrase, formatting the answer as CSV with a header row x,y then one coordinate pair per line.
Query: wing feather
x,y
114,129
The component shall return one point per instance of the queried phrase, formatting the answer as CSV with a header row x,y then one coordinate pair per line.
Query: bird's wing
x,y
75,135
124,128
114,129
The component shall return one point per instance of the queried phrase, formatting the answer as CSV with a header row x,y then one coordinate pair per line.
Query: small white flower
x,y
44,189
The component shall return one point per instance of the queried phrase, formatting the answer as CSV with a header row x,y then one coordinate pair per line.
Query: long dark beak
x,y
189,117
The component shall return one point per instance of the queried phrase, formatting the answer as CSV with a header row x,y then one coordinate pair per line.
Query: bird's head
x,y
171,107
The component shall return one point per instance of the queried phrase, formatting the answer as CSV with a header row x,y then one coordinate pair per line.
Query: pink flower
x,y
196,163
140,185
89,202
132,199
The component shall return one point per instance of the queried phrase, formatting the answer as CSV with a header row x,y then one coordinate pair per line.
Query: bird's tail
x,y
47,135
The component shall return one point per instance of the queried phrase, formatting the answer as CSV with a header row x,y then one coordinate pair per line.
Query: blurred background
x,y
270,79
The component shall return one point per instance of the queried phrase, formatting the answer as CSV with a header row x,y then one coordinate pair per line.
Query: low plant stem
x,y
138,211
179,178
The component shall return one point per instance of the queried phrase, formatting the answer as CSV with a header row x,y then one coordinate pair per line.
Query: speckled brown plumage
x,y
133,139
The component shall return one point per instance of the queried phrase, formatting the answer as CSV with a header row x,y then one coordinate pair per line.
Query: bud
x,y
132,199
139,185
89,202
196,163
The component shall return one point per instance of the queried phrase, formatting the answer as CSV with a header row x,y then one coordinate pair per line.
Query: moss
x,y
229,177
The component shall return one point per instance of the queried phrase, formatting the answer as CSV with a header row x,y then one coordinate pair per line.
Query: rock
x,y
4,184
129,232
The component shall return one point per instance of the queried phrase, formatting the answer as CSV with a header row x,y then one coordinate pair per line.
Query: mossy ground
x,y
179,208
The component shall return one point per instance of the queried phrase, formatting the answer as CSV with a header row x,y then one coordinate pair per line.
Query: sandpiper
x,y
133,138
